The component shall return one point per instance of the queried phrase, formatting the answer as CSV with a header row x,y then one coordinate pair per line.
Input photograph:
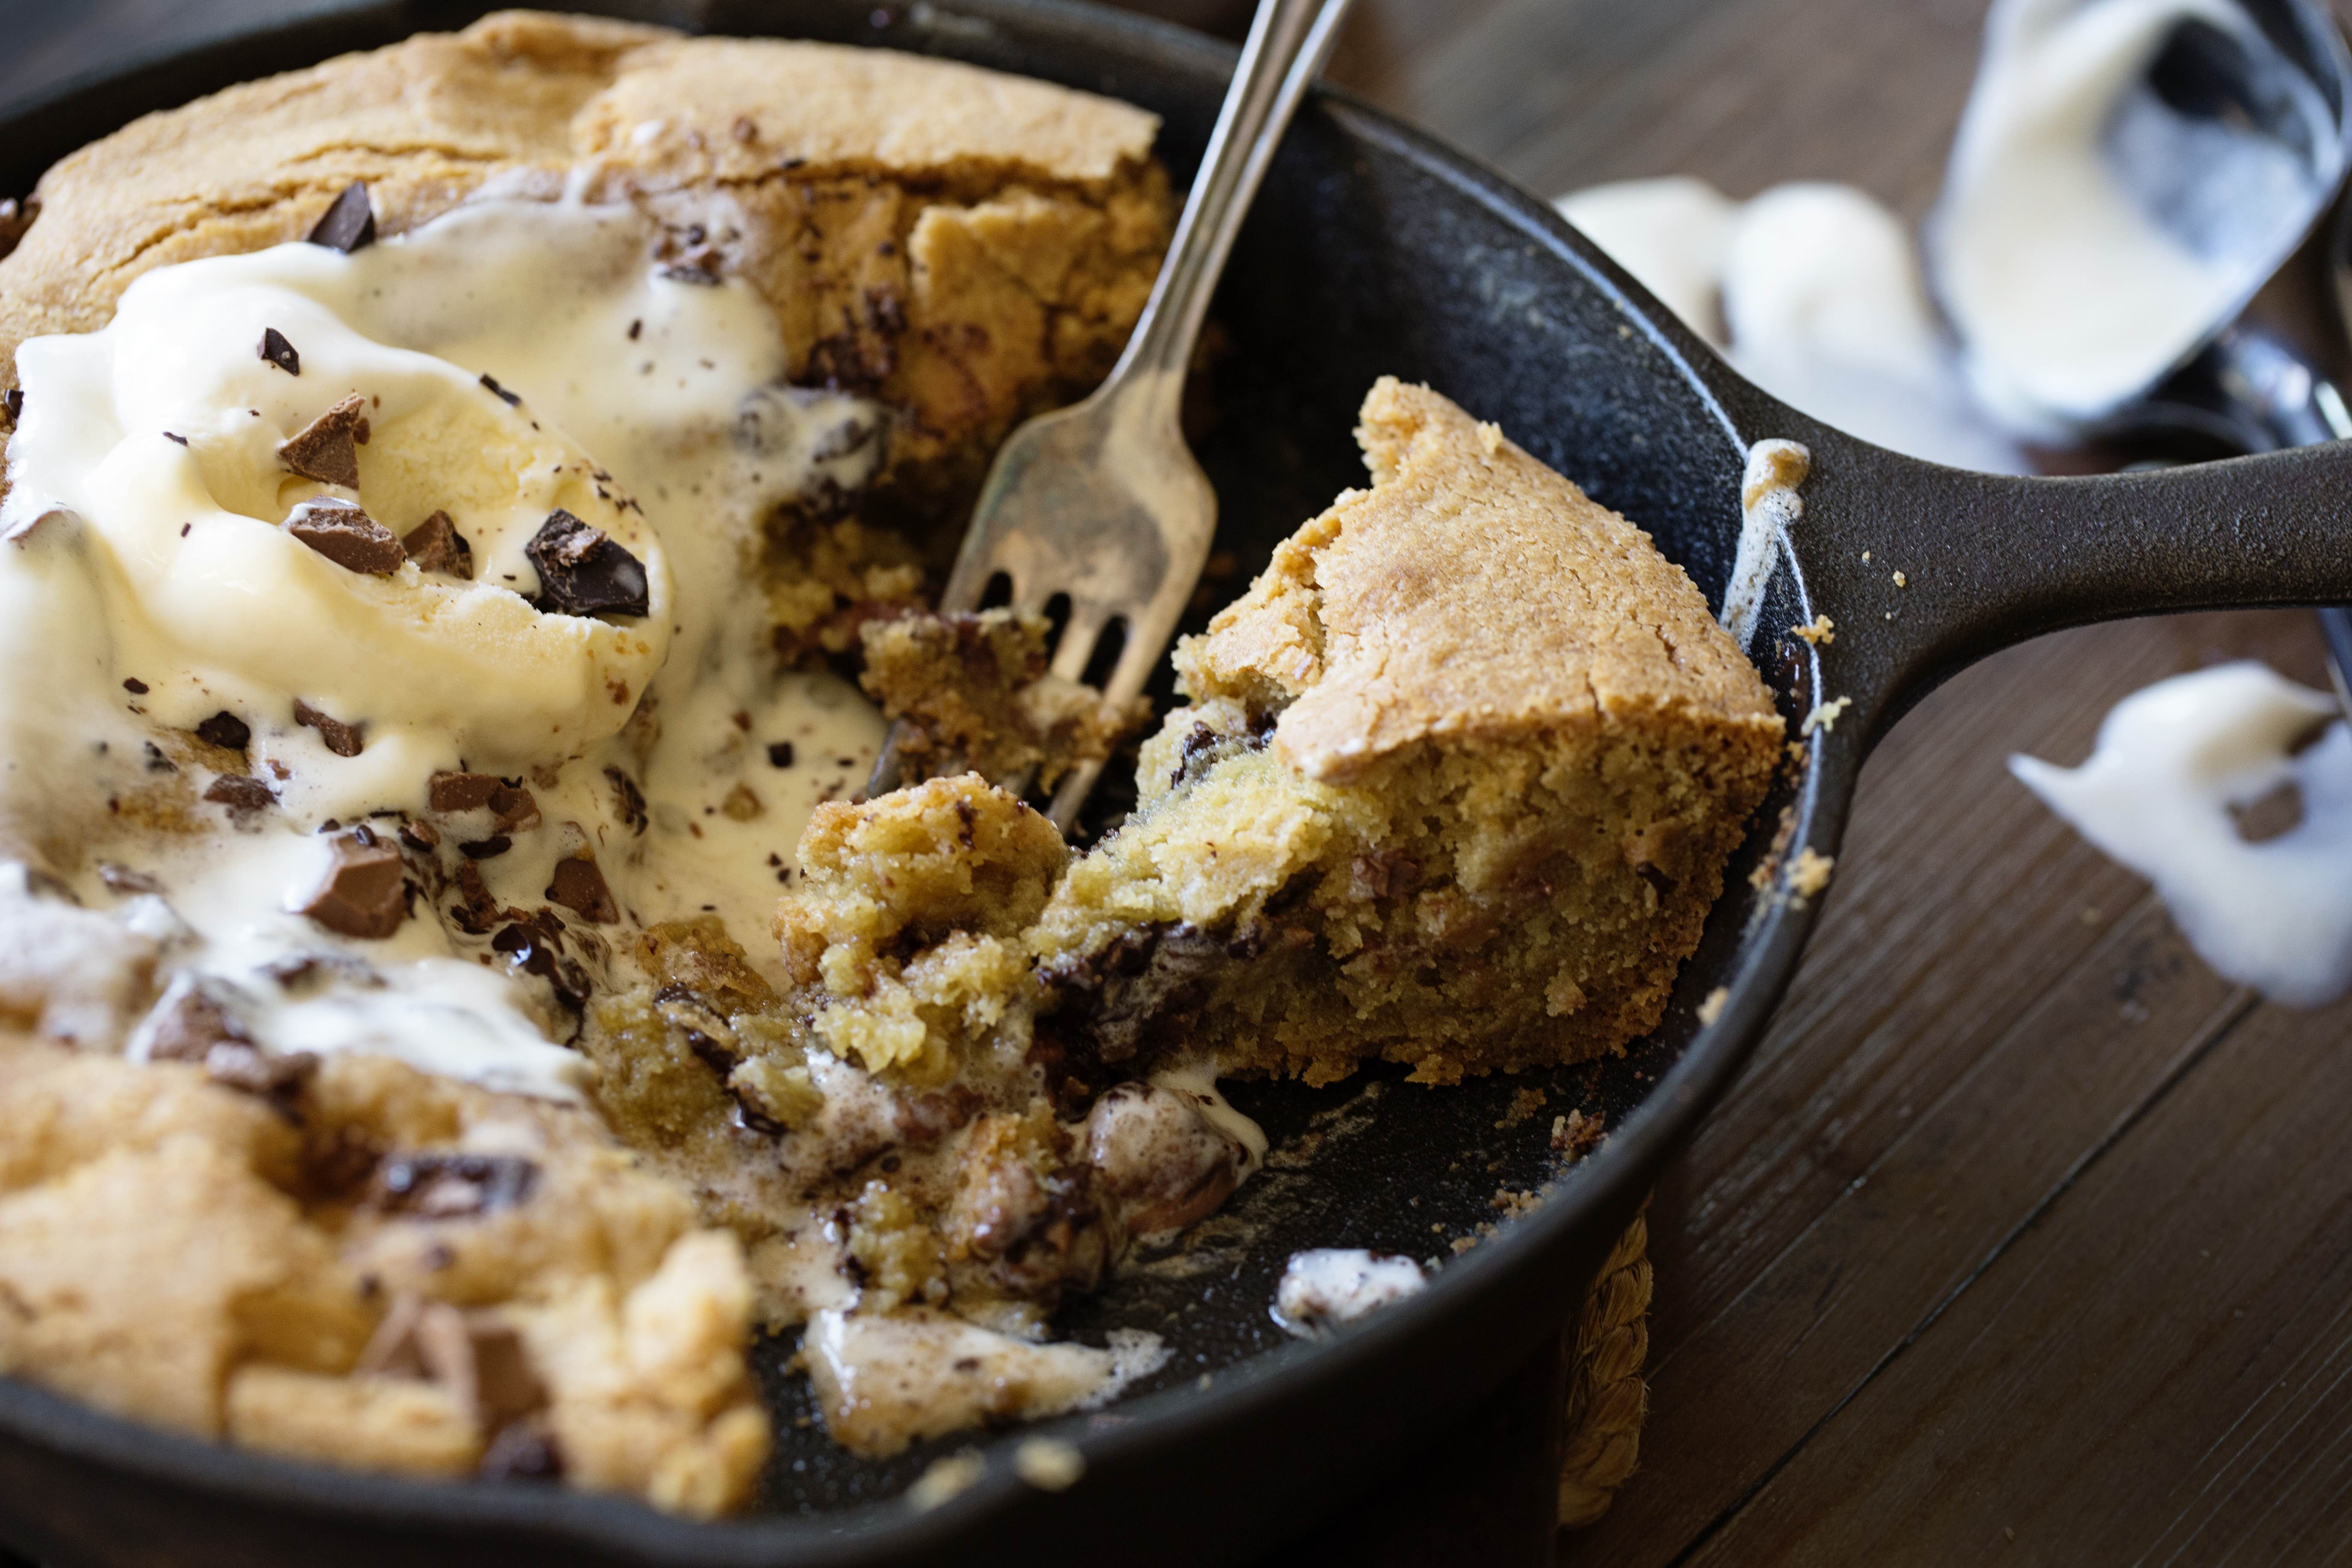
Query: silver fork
x,y
1103,501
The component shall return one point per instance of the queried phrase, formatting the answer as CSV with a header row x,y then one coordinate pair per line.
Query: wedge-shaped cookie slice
x,y
1455,787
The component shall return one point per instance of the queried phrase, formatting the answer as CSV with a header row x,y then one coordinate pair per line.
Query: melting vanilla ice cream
x,y
2174,764
321,564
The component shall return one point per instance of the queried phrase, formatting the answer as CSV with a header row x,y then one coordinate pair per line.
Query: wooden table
x,y
2024,1233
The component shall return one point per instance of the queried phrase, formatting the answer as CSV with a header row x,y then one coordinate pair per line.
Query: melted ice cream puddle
x,y
2157,793
1327,1285
518,356
2072,291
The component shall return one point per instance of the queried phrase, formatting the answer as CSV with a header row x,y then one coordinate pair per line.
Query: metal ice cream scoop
x,y
2234,144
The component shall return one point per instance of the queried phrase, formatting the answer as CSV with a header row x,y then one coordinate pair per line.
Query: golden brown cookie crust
x,y
1471,593
964,245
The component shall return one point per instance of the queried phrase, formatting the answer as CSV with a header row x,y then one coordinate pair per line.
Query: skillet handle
x,y
1989,560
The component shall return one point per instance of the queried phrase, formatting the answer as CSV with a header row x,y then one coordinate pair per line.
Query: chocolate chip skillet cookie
x,y
471,508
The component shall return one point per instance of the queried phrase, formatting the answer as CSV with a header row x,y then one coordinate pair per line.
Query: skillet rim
x,y
1604,1184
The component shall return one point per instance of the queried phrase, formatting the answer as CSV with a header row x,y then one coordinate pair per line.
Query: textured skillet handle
x,y
1988,560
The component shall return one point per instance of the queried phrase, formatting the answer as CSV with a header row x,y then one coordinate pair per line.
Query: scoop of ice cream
x,y
207,440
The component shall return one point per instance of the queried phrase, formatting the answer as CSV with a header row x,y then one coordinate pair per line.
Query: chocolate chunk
x,y
489,382
364,892
779,754
170,435
279,353
349,223
13,400
227,731
436,546
512,808
136,687
242,796
475,909
420,835
188,1023
582,572
579,887
348,537
326,450
344,739
157,762
452,1186
534,946
488,849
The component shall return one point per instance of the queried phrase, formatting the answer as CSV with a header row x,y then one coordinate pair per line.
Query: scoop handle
x,y
1987,561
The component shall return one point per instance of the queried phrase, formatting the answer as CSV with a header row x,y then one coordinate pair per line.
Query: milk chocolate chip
x,y
326,450
579,887
362,893
279,353
344,739
582,572
349,223
242,796
436,546
348,537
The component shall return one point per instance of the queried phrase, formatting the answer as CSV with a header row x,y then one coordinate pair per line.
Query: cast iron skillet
x,y
1373,249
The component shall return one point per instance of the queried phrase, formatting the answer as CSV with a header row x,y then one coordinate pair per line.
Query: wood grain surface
x,y
2023,1237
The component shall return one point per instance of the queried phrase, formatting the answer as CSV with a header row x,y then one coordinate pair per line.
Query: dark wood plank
x,y
2161,1368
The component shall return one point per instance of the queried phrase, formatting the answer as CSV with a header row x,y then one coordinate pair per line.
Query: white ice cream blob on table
x,y
2158,792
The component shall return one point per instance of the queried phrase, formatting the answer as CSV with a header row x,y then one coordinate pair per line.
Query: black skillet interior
x,y
1371,251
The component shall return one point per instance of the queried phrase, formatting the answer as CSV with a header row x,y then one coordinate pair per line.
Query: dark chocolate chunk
x,y
477,1356
364,892
420,835
326,450
349,223
453,1186
582,572
13,400
476,910
344,739
488,849
579,887
242,796
227,731
170,435
348,537
157,762
436,546
511,399
136,687
124,879
779,754
279,353
534,945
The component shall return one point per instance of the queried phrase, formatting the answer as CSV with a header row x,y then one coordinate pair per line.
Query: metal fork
x,y
1103,501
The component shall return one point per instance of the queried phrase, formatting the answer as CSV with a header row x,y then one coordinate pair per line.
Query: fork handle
x,y
1289,42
